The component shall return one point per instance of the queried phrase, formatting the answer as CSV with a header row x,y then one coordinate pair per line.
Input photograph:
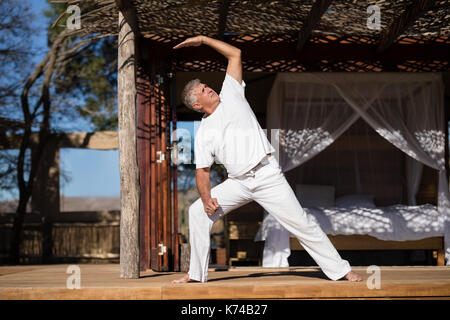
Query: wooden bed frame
x,y
365,242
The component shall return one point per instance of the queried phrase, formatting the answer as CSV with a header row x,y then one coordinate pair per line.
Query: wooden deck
x,y
103,282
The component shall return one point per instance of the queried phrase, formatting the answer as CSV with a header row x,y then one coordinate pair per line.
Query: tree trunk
x,y
26,186
14,249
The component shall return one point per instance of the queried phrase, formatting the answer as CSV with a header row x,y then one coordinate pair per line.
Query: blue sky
x,y
93,173
96,172
39,25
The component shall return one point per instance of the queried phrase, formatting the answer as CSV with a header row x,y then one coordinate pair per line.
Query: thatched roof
x,y
298,23
171,18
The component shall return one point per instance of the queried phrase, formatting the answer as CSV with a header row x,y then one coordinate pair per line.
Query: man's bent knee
x,y
197,213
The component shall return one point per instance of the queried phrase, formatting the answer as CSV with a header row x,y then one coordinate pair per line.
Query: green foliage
x,y
89,79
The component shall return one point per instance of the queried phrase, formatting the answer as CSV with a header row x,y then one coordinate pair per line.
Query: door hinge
x,y
163,249
161,156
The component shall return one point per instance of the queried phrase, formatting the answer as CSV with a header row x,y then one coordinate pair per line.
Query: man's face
x,y
206,96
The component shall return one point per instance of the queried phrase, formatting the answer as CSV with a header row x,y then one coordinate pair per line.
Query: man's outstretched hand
x,y
190,42
233,54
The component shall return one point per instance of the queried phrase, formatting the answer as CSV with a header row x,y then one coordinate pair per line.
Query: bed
x,y
354,222
361,226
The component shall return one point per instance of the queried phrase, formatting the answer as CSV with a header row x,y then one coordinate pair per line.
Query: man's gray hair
x,y
187,95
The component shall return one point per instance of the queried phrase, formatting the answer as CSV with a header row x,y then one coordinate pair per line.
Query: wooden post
x,y
129,172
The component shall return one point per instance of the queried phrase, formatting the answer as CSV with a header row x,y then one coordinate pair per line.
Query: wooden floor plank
x,y
104,282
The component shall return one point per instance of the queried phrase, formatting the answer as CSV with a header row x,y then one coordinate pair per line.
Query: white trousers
x,y
270,189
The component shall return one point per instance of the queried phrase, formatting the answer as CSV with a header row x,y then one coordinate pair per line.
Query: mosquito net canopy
x,y
307,112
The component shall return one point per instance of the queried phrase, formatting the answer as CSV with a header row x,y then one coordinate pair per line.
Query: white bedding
x,y
396,222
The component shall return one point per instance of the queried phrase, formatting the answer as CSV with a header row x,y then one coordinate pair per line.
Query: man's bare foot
x,y
184,279
353,277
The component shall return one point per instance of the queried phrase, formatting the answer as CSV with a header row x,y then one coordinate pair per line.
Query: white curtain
x,y
413,175
309,111
276,246
309,116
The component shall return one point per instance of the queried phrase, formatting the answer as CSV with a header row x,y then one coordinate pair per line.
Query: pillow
x,y
359,200
315,195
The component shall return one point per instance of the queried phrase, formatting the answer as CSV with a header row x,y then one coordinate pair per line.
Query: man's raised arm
x,y
230,52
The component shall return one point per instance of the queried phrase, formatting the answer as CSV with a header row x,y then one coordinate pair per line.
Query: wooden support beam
x,y
223,13
403,22
334,51
366,242
100,140
126,7
317,10
129,172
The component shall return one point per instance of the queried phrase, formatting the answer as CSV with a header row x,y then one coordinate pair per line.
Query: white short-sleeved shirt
x,y
231,135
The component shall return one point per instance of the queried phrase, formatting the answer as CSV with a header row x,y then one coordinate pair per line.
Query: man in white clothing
x,y
230,134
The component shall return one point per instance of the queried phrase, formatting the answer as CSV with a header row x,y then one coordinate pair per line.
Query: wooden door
x,y
158,205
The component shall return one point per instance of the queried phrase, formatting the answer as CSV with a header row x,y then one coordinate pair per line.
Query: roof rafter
x,y
318,9
223,13
129,13
314,51
403,22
